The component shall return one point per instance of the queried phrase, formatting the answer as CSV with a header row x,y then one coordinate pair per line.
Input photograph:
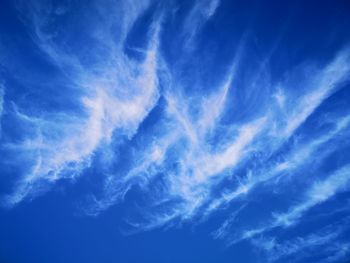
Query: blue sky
x,y
174,131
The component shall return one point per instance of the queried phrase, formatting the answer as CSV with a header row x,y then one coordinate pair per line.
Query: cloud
x,y
142,124
326,241
195,163
318,193
209,9
339,251
282,127
191,165
118,99
201,12
294,160
224,229
327,81
45,26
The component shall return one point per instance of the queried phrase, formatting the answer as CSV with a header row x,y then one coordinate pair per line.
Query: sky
x,y
174,131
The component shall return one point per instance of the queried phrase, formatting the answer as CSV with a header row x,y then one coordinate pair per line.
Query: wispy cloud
x,y
318,193
296,159
198,165
224,229
324,240
201,12
107,107
338,251
116,98
149,125
326,82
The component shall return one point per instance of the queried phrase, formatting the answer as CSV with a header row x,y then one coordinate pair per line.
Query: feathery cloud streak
x,y
123,110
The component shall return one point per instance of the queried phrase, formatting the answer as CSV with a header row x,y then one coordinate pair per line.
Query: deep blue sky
x,y
145,131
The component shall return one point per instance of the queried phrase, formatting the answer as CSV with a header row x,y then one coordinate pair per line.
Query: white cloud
x,y
196,162
338,251
326,241
318,193
234,151
213,107
323,84
280,97
196,143
201,12
224,229
210,8
295,159
280,250
116,100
